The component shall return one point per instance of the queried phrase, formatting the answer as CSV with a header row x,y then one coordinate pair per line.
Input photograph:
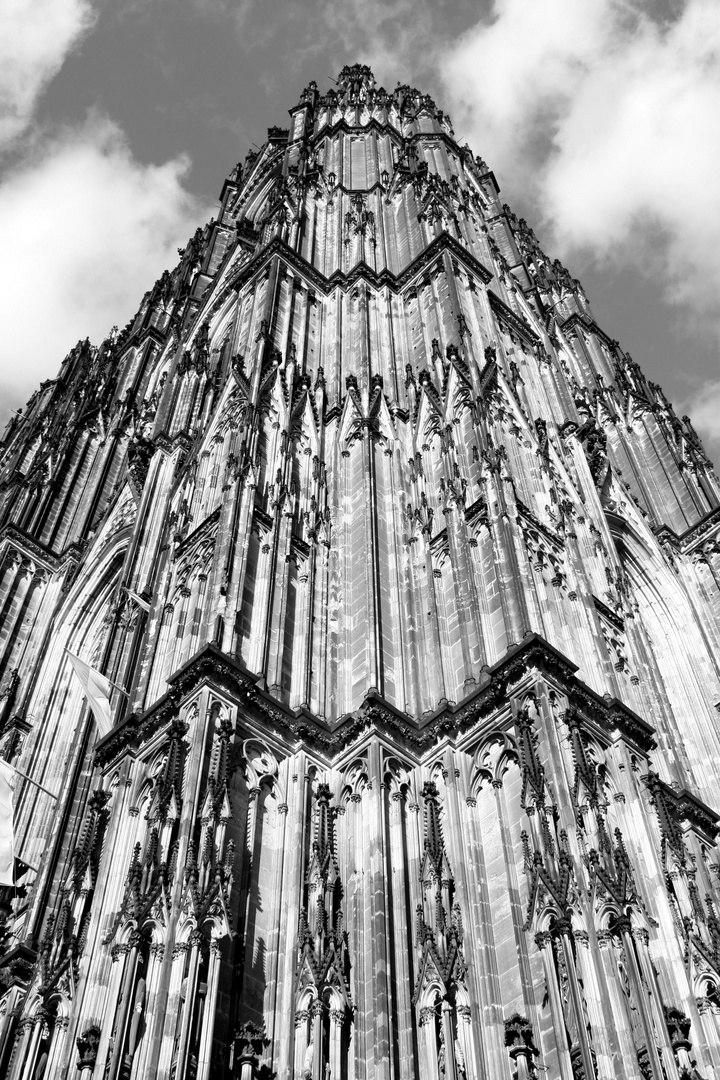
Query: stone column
x,y
28,1066
427,1044
196,940
7,1015
565,941
123,1011
623,927
173,1008
337,1022
153,979
317,1070
57,1046
589,966
543,940
448,1042
205,1051
401,936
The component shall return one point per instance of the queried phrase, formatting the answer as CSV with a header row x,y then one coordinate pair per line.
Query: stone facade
x,y
413,583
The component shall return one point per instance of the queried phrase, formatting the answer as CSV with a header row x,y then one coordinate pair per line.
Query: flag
x,y
97,690
138,599
7,858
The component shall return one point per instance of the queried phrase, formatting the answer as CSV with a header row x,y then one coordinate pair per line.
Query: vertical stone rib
x,y
363,368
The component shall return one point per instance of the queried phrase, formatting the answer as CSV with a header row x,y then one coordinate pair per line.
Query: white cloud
x,y
35,38
86,230
394,37
611,117
703,407
510,74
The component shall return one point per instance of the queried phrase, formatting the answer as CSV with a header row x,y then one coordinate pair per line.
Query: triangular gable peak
x,y
429,413
304,420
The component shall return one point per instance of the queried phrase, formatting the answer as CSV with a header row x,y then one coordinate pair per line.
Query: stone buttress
x,y
410,581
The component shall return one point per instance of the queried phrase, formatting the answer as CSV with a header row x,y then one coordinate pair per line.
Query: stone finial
x,y
250,1041
87,1045
519,1041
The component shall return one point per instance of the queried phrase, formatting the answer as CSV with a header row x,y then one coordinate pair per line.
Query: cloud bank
x,y
609,119
36,36
612,115
703,407
86,227
90,229
599,118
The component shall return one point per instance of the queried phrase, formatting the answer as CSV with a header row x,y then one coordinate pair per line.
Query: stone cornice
x,y
147,333
277,248
527,515
328,131
206,527
692,537
697,813
169,445
488,377
42,555
584,321
514,323
607,613
17,966
212,666
629,724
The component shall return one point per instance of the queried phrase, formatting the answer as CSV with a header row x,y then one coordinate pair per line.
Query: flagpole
x,y
144,604
29,779
116,687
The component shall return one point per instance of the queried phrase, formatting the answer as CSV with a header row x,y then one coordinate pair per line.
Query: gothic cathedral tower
x,y
406,583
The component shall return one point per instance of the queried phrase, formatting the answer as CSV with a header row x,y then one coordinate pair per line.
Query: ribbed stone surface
x,y
411,578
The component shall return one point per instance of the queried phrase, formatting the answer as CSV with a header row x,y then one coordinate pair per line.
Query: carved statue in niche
x,y
636,1026
460,1060
565,996
308,1060
575,1025
441,1056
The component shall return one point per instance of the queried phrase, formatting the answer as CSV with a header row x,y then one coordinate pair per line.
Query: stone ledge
x,y
212,666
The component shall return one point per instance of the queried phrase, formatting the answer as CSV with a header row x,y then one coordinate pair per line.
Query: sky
x,y
119,120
